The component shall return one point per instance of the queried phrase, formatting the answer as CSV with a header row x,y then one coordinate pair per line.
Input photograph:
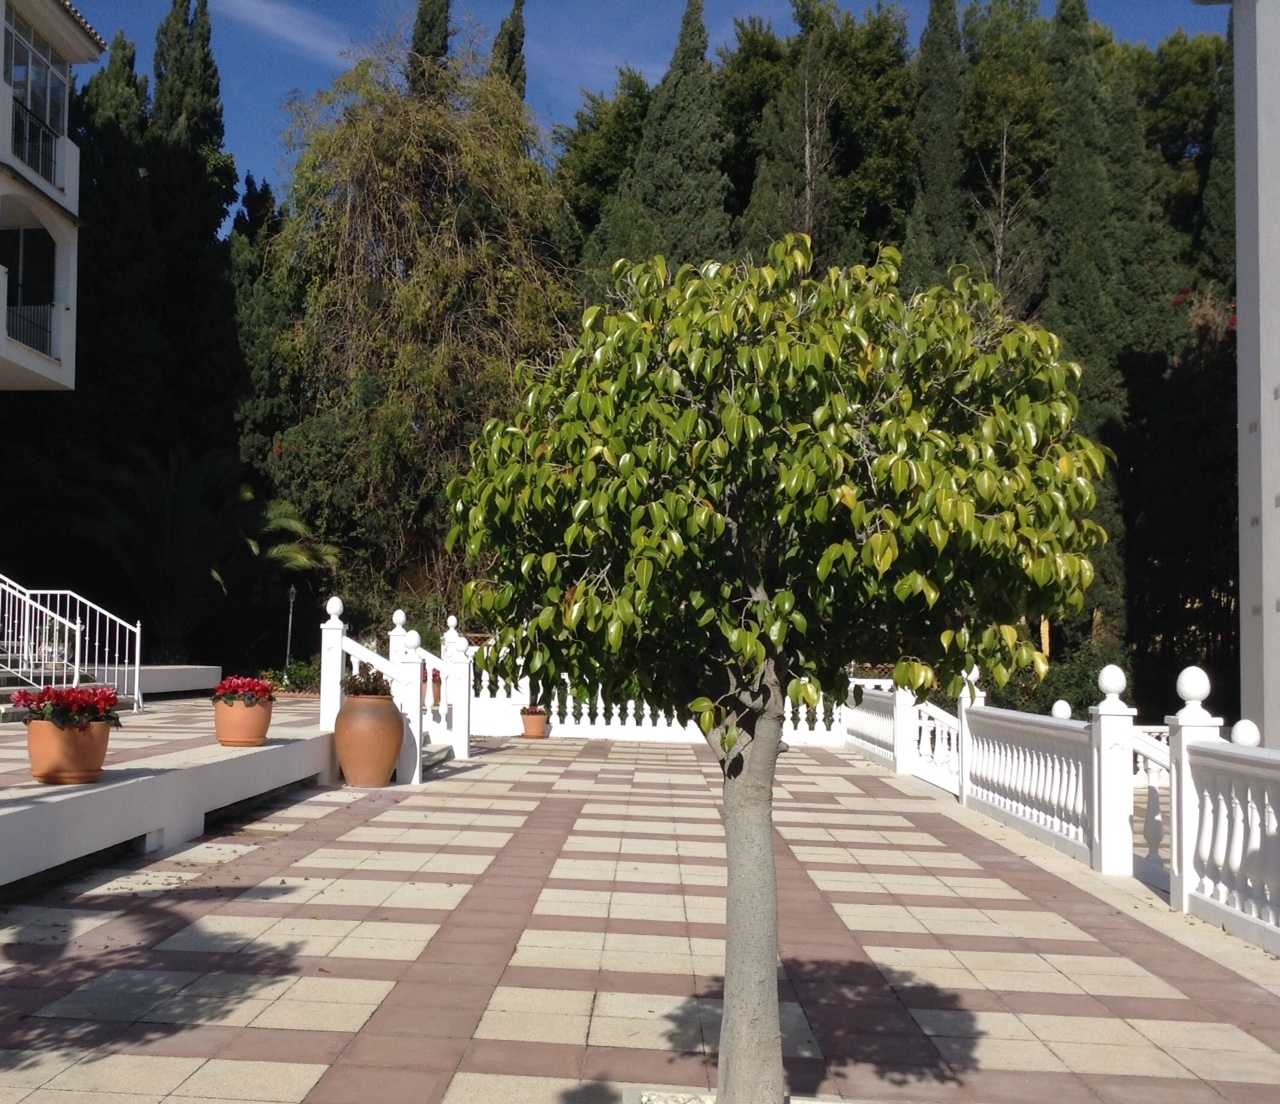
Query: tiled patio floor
x,y
544,925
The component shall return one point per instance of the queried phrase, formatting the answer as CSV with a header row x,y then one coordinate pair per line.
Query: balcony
x,y
33,326
35,143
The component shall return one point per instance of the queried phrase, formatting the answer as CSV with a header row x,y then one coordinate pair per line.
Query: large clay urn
x,y
67,756
368,734
238,724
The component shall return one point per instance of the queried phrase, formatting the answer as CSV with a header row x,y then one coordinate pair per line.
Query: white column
x,y
331,664
408,688
1191,724
906,731
1257,80
1112,735
970,697
457,678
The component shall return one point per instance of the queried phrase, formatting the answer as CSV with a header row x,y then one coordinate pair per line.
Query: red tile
x,y
522,1058
1152,1090
253,1044
345,1084
655,1067
434,1055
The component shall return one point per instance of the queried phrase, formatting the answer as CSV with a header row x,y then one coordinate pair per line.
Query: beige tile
x,y
355,892
556,958
314,1016
427,895
637,1006
239,986
490,1088
391,950
890,918
227,1011
646,1034
126,1073
1096,964
1081,1029
533,1027
1004,961
999,1054
28,924
1026,981
1199,1036
339,990
1121,985
218,933
956,1023
575,940
71,1096
27,1069
648,962
1133,1061
555,1002
220,1078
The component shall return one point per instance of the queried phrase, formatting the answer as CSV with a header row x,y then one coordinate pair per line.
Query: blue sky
x,y
267,49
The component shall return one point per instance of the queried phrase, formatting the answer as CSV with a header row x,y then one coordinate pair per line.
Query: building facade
x,y
39,193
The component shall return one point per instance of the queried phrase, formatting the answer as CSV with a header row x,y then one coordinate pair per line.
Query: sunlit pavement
x,y
544,925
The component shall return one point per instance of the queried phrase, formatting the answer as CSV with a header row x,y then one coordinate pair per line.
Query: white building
x,y
39,193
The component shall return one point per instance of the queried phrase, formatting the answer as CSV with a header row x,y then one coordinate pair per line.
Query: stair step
x,y
435,754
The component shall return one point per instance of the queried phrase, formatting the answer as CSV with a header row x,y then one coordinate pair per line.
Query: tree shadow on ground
x,y
840,1015
592,1092
70,986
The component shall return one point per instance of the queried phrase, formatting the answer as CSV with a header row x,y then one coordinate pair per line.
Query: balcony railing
x,y
34,142
33,326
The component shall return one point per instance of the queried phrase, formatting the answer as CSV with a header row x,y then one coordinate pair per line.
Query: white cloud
x,y
308,33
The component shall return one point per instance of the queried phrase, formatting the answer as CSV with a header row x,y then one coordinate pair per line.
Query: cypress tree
x,y
430,43
749,78
938,228
508,49
672,201
192,183
1218,232
1078,308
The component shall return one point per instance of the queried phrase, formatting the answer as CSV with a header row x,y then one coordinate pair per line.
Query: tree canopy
x,y
743,478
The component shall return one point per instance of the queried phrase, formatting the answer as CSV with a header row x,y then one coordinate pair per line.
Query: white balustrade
x,y
1226,799
937,747
1033,773
869,725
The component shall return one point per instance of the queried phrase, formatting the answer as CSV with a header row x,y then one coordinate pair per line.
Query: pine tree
x,y
750,75
508,49
430,44
672,201
1218,232
936,235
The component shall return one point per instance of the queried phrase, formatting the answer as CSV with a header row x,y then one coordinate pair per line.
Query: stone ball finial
x,y
398,619
1061,710
1246,734
1111,681
413,639
452,622
1193,685
334,607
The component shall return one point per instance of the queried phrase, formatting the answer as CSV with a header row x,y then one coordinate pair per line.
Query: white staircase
x,y
56,637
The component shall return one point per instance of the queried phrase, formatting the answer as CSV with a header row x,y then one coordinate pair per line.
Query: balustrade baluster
x,y
1232,881
1153,822
1269,856
1204,841
1250,887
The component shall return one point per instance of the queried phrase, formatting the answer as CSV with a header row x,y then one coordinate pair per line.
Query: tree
x,y
191,184
1218,231
412,270
937,233
508,49
1008,145
429,46
672,200
749,77
742,479
600,147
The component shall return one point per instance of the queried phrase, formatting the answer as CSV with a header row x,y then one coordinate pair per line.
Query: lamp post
x,y
288,640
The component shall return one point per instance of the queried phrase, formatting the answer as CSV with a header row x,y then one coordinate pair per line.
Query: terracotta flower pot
x,y
434,695
368,734
535,725
241,725
67,756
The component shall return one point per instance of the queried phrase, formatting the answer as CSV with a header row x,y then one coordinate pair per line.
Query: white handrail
x,y
107,648
37,644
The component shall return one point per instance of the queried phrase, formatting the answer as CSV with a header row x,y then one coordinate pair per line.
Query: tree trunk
x,y
751,1037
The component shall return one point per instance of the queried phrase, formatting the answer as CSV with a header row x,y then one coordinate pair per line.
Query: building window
x,y
36,72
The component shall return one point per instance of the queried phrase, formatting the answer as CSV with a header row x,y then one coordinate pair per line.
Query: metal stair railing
x,y
36,644
37,626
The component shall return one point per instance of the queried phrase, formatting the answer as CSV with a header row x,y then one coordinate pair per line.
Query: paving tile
x,y
126,1073
225,1079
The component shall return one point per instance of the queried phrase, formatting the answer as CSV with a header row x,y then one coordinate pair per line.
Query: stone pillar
x,y
970,697
906,731
1191,724
1112,736
332,664
457,678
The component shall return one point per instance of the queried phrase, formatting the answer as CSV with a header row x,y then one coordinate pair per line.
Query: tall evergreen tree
x,y
192,183
600,147
672,201
508,49
750,75
1078,307
937,232
1218,234
430,43
1008,145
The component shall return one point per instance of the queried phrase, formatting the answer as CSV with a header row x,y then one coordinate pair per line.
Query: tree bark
x,y
751,1037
